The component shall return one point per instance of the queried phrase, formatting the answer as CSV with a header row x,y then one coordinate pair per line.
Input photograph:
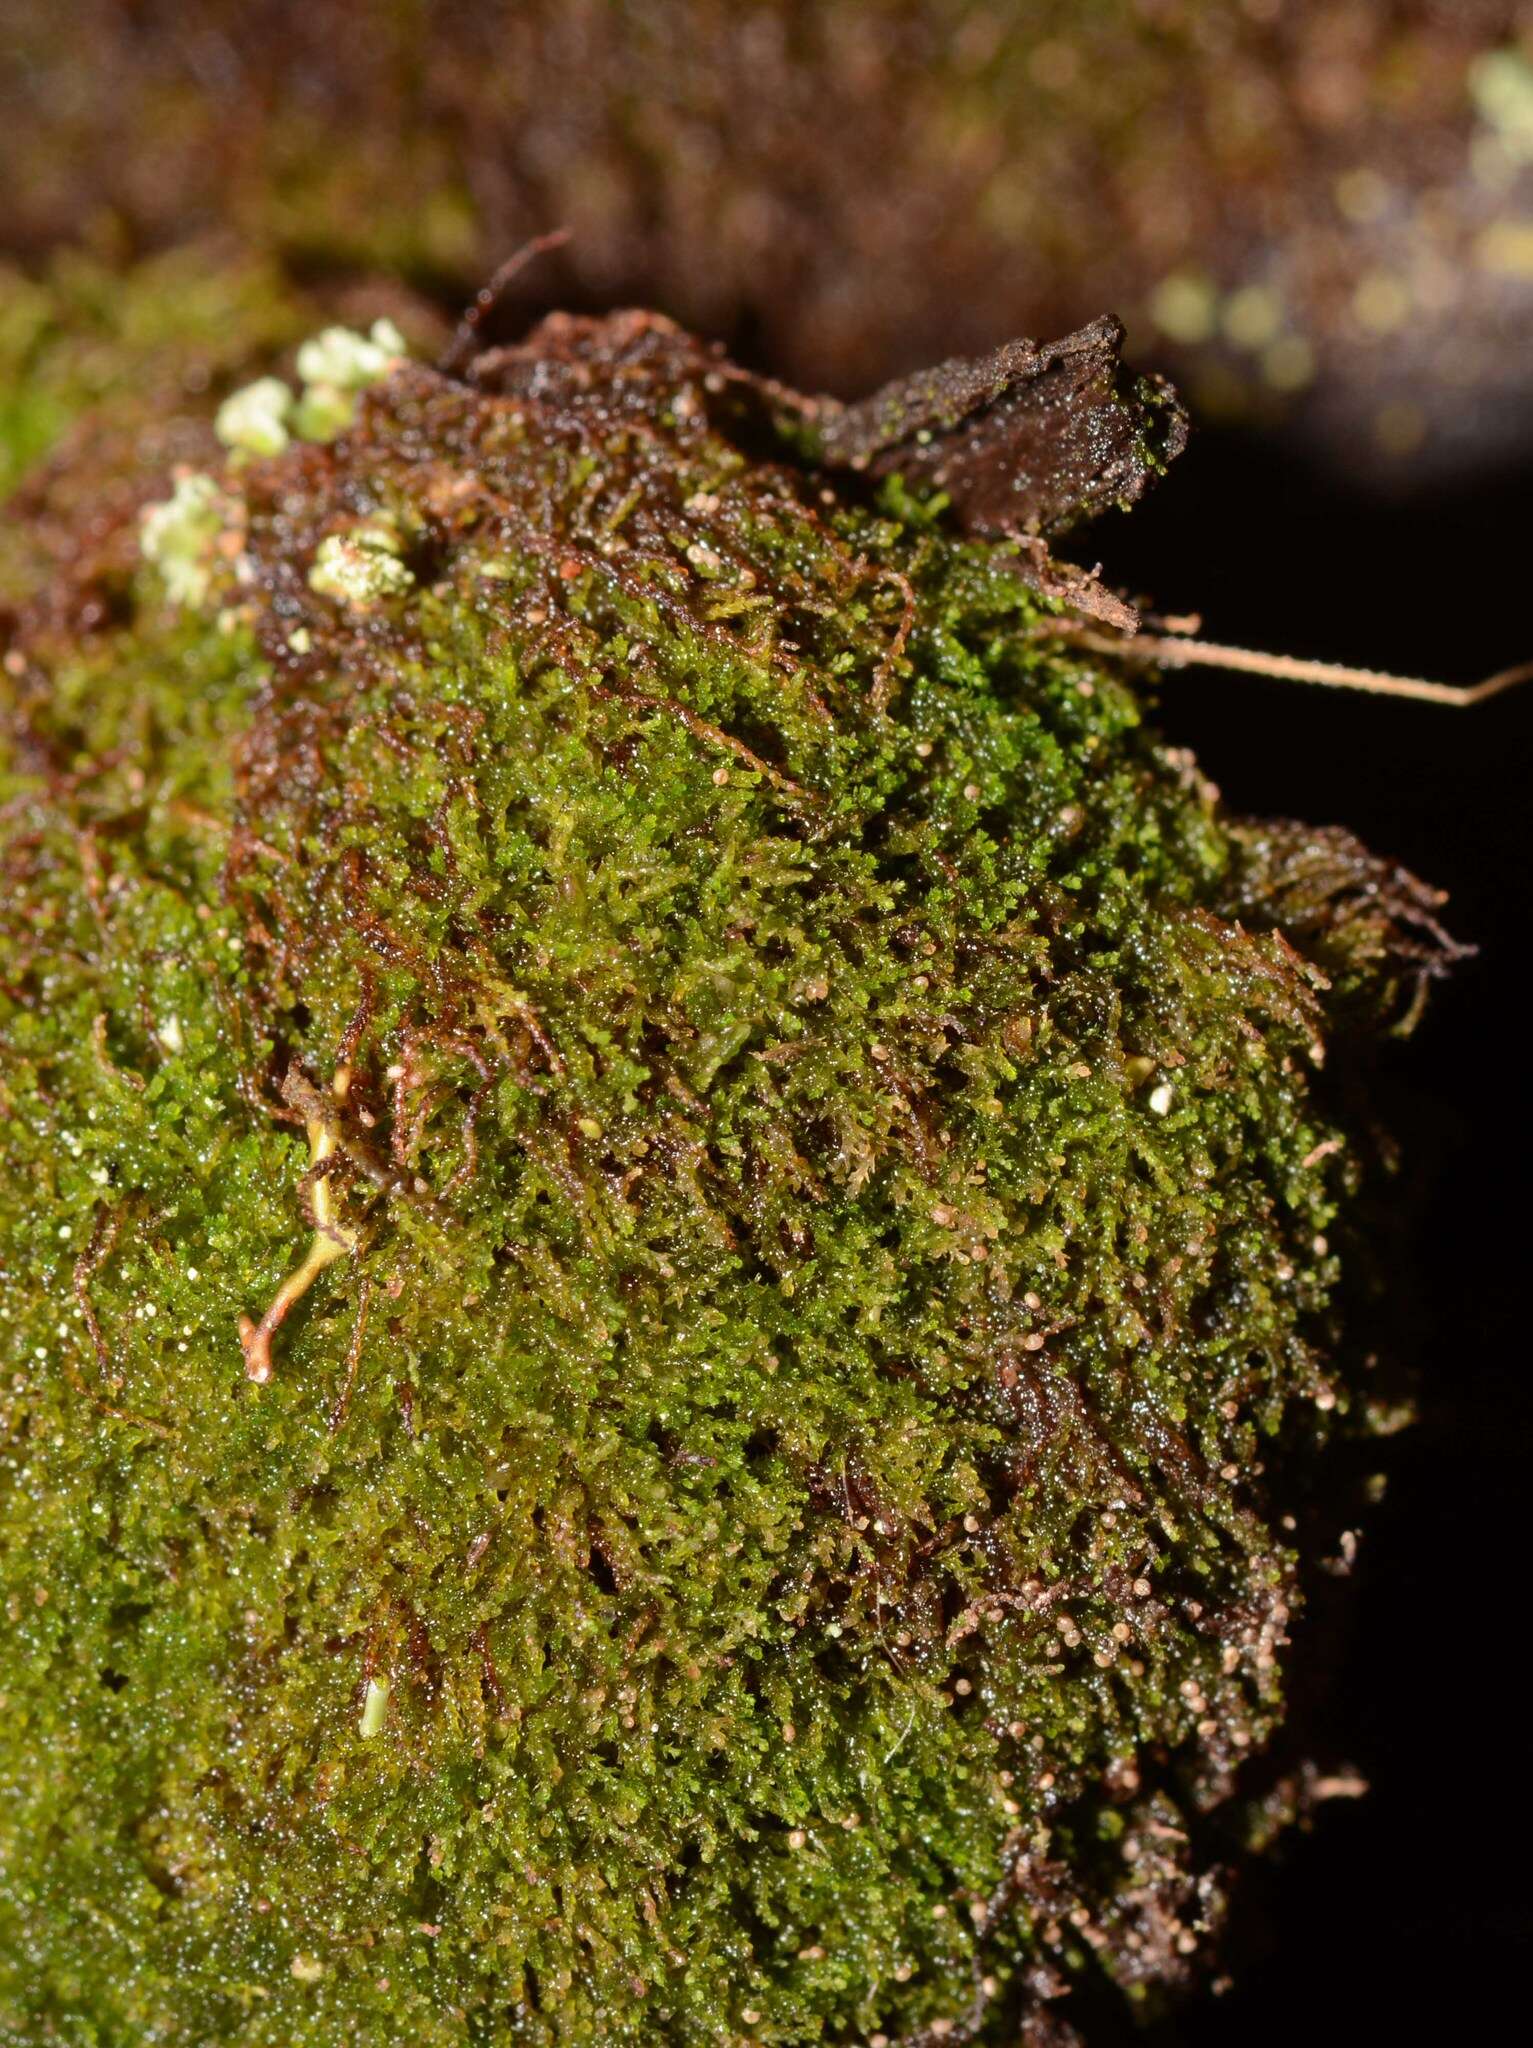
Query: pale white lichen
x,y
348,360
361,568
335,365
254,419
180,535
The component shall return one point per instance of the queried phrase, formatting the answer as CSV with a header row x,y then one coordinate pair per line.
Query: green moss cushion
x,y
667,1226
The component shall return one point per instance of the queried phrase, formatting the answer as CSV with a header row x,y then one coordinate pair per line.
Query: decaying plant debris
x,y
798,1149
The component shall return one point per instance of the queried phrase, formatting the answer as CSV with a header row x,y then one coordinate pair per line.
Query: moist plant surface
x,y
669,1220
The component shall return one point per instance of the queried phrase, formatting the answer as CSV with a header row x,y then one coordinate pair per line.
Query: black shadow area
x,y
1406,1916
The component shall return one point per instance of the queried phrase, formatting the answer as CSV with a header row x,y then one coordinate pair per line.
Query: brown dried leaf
x,y
1030,439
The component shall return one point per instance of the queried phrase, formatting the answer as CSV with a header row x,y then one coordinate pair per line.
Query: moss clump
x,y
667,1259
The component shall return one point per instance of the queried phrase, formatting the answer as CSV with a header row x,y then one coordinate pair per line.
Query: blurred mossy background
x,y
1315,214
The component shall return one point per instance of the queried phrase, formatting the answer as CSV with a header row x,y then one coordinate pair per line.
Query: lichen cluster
x,y
668,1225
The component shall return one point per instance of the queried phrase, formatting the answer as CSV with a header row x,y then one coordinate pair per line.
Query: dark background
x,y
1405,1916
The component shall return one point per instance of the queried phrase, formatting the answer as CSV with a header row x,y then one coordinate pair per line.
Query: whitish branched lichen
x,y
668,1216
